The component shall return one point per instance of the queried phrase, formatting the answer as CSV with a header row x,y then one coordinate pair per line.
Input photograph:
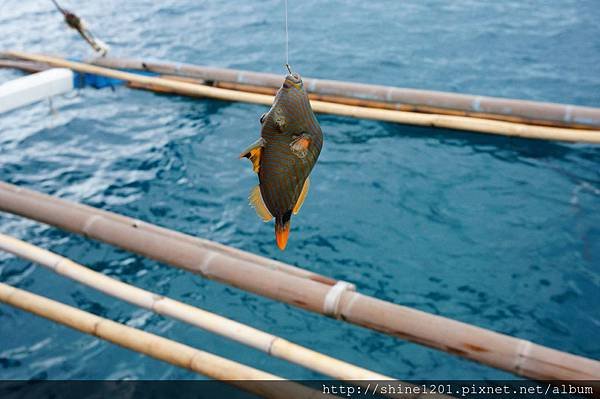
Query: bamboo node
x,y
388,95
332,299
88,224
522,354
568,111
155,299
203,267
269,348
95,328
190,363
56,265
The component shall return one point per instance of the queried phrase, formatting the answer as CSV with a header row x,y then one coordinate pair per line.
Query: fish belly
x,y
282,175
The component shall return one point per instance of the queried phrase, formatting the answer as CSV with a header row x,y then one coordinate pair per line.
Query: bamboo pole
x,y
316,95
515,355
361,102
255,338
428,101
175,353
196,241
478,125
26,66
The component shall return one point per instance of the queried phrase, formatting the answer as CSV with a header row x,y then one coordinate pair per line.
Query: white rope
x,y
332,299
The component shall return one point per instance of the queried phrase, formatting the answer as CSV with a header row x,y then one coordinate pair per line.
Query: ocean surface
x,y
498,232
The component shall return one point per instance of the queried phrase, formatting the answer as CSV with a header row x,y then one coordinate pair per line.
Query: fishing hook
x,y
289,68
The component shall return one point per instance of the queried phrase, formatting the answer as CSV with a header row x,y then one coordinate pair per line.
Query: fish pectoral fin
x,y
256,201
302,196
300,145
253,153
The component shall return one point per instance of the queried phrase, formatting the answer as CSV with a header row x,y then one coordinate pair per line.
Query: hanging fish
x,y
284,155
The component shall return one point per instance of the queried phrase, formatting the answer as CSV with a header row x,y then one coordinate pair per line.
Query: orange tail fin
x,y
282,232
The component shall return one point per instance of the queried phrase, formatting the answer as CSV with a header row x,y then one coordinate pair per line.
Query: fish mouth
x,y
294,80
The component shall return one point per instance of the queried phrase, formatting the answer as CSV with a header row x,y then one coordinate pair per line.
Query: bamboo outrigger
x,y
175,353
367,95
376,96
449,121
260,340
515,355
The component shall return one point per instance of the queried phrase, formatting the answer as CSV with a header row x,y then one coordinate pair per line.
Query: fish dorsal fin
x,y
256,201
253,153
302,196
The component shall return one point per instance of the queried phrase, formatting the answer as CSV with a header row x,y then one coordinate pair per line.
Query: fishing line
x,y
58,7
287,40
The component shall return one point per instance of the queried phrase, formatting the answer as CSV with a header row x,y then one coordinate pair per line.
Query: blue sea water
x,y
498,232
